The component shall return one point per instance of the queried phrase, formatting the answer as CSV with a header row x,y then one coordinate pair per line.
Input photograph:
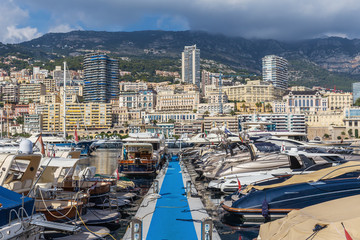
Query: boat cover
x,y
322,174
12,200
59,162
299,224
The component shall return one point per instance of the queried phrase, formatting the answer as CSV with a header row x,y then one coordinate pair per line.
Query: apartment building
x,y
86,116
339,101
275,70
190,65
175,101
101,78
31,92
254,92
282,122
10,93
132,86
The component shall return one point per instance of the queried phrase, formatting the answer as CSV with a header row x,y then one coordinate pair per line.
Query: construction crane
x,y
220,86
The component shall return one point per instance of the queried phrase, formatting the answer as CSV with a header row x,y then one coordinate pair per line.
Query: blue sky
x,y
22,20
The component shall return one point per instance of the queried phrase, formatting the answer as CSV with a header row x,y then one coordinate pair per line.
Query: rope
x,y
96,234
42,198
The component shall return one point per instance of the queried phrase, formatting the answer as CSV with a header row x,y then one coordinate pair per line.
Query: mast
x,y
2,124
64,102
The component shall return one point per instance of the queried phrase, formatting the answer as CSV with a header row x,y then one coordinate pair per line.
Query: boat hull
x,y
273,203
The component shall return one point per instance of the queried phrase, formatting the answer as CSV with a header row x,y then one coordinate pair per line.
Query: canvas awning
x,y
299,224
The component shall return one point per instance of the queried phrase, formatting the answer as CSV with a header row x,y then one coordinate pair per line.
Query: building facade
x,y
141,100
190,65
275,70
339,101
10,93
101,78
282,122
32,123
305,102
175,101
86,116
132,86
254,92
31,92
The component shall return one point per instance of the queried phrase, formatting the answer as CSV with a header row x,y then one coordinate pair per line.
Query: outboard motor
x,y
26,146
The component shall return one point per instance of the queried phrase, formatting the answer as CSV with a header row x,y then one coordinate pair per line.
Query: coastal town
x,y
194,101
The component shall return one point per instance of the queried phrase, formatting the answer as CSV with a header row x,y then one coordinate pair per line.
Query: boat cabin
x,y
18,171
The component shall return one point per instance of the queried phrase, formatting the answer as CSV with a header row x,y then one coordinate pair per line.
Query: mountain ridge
x,y
340,57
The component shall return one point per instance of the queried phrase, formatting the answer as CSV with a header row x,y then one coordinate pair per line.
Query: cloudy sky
x,y
22,20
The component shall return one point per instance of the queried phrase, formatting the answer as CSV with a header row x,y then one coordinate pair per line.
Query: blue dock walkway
x,y
171,214
172,217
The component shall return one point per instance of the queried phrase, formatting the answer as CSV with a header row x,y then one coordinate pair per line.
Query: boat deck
x,y
171,214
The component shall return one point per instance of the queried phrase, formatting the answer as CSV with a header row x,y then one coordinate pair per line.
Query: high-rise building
x,y
275,70
190,72
356,91
101,78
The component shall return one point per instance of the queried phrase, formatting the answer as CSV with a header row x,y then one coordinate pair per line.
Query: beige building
x,y
10,93
85,116
324,123
339,101
31,92
50,98
50,84
254,92
174,101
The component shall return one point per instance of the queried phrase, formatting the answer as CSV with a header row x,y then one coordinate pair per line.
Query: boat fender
x,y
265,209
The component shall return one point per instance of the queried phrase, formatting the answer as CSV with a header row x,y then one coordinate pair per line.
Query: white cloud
x,y
63,28
15,35
10,18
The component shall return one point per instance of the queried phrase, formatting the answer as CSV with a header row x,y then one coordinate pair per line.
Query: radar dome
x,y
26,146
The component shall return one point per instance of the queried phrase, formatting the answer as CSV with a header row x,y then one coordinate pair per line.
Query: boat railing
x,y
337,170
17,214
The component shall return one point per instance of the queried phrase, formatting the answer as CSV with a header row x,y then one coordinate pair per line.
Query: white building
x,y
172,100
275,70
141,100
190,71
282,122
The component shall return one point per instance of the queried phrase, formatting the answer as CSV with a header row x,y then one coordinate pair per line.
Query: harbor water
x,y
105,161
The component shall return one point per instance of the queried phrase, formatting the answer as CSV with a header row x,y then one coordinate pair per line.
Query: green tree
x,y
338,137
357,102
206,113
20,120
350,132
326,135
232,113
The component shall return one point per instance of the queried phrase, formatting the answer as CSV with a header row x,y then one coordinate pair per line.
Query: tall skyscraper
x,y
101,78
191,65
356,91
275,70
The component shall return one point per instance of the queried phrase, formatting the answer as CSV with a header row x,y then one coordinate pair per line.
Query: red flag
x,y
239,184
347,235
117,174
240,237
76,136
